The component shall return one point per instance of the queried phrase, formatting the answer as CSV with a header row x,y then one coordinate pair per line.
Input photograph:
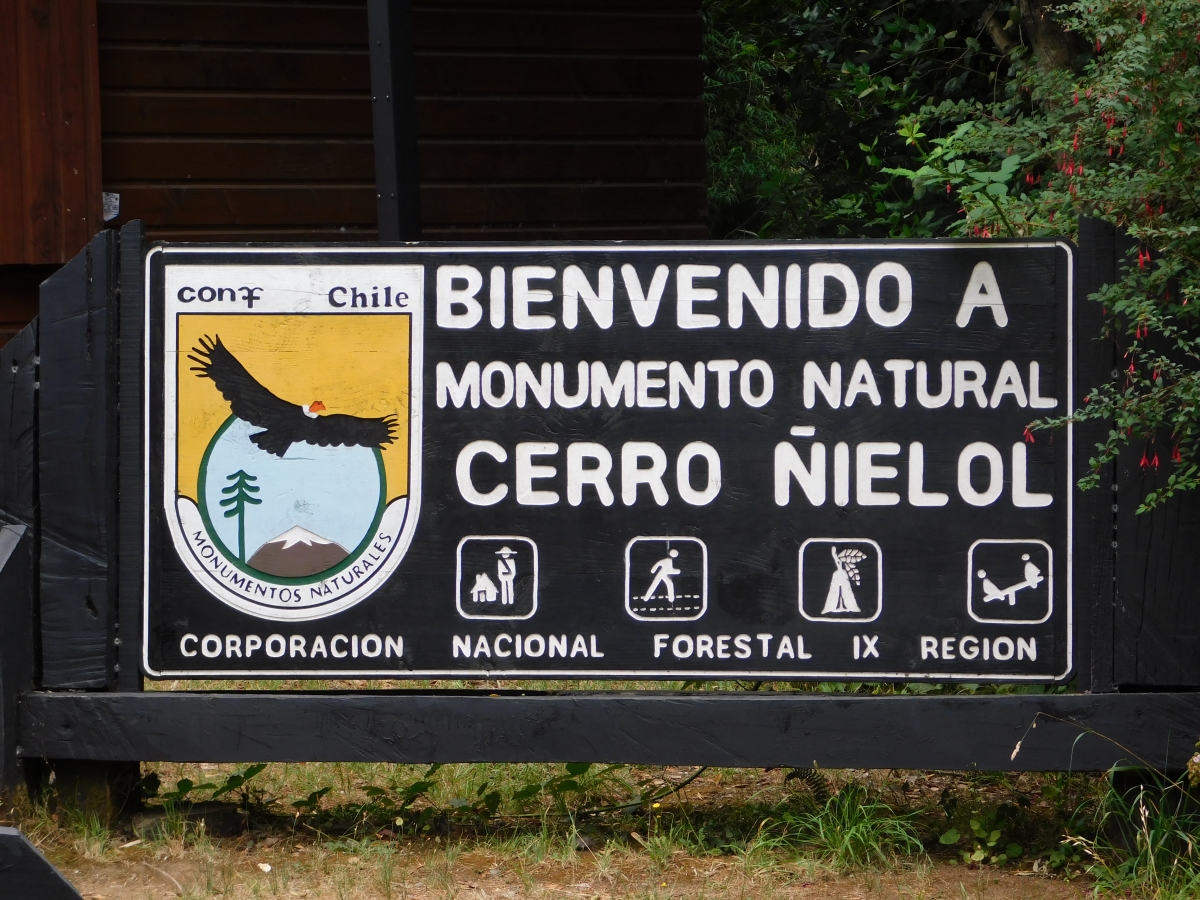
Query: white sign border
x,y
657,674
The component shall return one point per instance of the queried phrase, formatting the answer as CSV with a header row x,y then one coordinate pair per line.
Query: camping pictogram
x,y
666,578
840,598
1010,581
841,580
497,577
291,481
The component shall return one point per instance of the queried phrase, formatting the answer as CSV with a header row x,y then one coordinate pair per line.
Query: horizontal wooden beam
x,y
1057,732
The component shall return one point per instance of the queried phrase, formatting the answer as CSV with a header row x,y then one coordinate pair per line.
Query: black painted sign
x,y
664,461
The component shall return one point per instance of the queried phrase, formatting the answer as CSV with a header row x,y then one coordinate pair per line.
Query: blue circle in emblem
x,y
318,501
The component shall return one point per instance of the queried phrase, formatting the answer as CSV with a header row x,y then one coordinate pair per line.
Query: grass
x,y
855,830
91,836
371,831
1146,839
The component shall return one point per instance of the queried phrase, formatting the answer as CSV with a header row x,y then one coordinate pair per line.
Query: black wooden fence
x,y
70,605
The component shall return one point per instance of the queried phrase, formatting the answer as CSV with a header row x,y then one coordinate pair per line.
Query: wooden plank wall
x,y
49,134
1157,608
552,119
537,118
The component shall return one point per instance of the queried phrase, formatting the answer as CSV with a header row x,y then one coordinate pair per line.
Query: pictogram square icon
x,y
1010,582
841,580
666,578
497,577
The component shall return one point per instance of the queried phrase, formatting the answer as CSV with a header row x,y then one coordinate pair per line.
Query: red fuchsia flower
x,y
1077,98
1145,461
1154,462
1142,18
1028,435
1075,144
1098,44
947,187
1176,456
1179,128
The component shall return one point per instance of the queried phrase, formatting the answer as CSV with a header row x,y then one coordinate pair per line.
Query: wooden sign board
x,y
773,461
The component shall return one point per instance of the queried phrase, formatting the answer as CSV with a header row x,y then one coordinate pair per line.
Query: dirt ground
x,y
285,856
310,872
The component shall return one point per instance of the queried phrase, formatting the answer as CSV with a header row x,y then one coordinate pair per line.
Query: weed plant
x,y
91,837
855,831
1146,840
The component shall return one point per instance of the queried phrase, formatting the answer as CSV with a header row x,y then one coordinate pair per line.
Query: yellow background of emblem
x,y
354,364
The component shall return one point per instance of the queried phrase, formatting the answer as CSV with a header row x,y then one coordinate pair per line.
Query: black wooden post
x,y
1095,537
393,105
77,501
18,579
1138,573
130,482
77,469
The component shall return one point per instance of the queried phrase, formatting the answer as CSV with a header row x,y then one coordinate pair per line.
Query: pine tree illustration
x,y
240,492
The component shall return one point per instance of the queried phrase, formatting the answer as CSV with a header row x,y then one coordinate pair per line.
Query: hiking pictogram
x,y
666,578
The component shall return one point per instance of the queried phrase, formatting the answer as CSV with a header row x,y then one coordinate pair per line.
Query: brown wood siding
x,y
238,120
49,132
536,119
548,119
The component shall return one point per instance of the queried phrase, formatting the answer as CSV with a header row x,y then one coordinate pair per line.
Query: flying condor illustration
x,y
285,423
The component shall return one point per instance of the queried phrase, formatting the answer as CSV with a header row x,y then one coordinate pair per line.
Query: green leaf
x,y
530,790
950,837
577,768
491,802
1012,851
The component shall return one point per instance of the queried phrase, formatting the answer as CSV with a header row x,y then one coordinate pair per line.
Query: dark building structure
x,y
220,120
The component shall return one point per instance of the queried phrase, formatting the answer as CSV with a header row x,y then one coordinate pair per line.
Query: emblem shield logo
x,y
292,439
